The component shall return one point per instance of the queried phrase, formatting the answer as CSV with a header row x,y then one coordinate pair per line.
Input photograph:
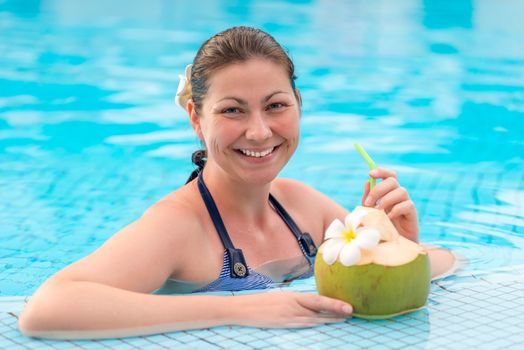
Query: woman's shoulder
x,y
143,254
179,207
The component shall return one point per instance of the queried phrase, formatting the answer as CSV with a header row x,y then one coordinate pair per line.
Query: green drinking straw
x,y
368,160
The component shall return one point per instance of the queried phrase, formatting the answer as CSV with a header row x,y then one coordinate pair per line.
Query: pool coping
x,y
463,297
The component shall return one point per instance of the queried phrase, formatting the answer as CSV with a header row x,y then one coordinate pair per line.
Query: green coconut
x,y
376,291
392,279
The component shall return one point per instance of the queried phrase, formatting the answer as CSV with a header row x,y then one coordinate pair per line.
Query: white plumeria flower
x,y
344,241
182,84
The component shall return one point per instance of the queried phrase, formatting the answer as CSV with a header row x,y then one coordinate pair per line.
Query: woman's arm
x,y
67,309
87,310
106,289
387,195
106,293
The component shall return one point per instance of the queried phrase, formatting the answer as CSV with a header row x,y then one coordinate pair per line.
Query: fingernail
x,y
368,201
347,309
373,173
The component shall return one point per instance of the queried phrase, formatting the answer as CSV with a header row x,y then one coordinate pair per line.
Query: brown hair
x,y
234,45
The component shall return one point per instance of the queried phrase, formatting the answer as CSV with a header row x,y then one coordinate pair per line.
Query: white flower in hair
x,y
182,84
345,240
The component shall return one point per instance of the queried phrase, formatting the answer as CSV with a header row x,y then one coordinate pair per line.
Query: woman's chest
x,y
274,249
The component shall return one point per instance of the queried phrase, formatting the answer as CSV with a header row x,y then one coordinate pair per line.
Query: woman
x,y
244,107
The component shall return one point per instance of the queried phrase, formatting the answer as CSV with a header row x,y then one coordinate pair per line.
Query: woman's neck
x,y
241,199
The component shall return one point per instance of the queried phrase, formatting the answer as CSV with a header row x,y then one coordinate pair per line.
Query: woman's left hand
x,y
395,201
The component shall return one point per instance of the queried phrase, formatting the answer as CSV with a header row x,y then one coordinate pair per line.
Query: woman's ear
x,y
194,119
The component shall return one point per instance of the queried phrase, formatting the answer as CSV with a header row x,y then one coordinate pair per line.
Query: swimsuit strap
x,y
304,239
238,266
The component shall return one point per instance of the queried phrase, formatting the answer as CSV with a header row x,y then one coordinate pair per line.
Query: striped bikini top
x,y
236,274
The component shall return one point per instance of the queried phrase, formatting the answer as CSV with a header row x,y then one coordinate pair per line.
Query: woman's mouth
x,y
261,153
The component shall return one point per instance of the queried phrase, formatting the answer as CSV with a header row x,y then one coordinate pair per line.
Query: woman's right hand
x,y
289,310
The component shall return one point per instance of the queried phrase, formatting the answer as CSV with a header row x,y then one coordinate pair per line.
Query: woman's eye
x,y
231,110
275,105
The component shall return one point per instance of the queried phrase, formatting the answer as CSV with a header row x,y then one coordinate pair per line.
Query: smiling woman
x,y
243,105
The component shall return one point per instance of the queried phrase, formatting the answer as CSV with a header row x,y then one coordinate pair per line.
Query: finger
x,y
406,208
382,173
317,303
366,192
380,190
389,200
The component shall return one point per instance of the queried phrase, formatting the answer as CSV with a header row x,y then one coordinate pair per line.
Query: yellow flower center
x,y
348,235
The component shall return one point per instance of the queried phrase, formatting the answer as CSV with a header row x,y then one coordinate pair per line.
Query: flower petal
x,y
187,71
367,237
182,81
350,254
182,84
335,229
354,218
180,90
330,250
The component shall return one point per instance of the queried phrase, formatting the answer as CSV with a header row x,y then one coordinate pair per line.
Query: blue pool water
x,y
90,135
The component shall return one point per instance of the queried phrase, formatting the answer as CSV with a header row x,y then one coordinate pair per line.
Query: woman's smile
x,y
258,155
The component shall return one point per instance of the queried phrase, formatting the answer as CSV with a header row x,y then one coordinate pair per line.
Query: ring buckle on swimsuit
x,y
239,269
237,263
307,244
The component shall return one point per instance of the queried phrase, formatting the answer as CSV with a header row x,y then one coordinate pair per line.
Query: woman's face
x,y
249,120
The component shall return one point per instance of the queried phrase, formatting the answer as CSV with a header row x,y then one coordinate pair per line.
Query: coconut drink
x,y
368,264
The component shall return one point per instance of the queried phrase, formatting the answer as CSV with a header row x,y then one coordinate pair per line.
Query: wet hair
x,y
234,45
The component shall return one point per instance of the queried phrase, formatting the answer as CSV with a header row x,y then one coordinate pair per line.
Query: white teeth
x,y
257,154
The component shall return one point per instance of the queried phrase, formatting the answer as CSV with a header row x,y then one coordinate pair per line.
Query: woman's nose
x,y
257,128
